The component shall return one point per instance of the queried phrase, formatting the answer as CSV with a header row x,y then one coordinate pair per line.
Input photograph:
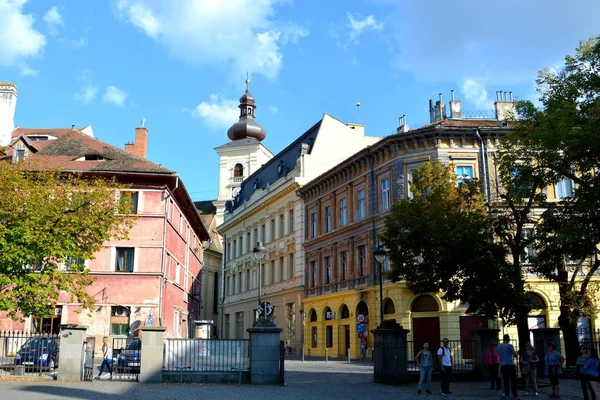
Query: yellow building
x,y
345,209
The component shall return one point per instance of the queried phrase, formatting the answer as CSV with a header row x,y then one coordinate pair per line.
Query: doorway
x,y
426,329
344,342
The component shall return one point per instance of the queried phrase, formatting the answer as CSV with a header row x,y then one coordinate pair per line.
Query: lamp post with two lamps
x,y
259,253
380,256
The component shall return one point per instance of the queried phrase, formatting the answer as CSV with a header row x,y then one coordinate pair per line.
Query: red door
x,y
468,324
426,329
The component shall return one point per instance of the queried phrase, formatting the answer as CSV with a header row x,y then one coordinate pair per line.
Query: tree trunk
x,y
522,327
568,326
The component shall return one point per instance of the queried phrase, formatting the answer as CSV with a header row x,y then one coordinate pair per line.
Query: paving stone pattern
x,y
309,380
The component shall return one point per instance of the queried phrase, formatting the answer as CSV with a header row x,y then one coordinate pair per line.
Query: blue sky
x,y
181,64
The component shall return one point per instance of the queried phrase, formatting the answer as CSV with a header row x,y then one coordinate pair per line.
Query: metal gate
x,y
126,358
89,350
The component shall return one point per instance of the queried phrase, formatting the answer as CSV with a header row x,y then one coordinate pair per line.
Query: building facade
x,y
267,209
345,209
151,278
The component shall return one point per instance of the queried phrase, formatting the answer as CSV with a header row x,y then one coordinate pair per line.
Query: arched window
x,y
536,302
325,311
312,315
238,170
344,312
362,308
389,307
425,303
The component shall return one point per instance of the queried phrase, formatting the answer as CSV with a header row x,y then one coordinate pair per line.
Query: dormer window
x,y
92,157
19,155
34,138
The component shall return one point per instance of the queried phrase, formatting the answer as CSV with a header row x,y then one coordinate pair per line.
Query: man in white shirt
x,y
445,358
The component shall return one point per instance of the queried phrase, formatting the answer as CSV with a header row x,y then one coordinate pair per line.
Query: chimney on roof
x,y
431,111
440,110
403,126
8,104
505,106
140,144
455,107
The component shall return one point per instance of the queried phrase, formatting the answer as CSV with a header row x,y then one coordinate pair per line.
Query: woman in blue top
x,y
554,361
424,359
590,371
581,375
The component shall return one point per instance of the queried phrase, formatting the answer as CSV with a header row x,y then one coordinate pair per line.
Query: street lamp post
x,y
259,252
380,255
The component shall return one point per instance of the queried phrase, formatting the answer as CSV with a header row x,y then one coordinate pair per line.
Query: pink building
x,y
153,277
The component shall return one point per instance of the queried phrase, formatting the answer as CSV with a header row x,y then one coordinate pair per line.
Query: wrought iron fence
x,y
127,358
28,354
215,355
464,355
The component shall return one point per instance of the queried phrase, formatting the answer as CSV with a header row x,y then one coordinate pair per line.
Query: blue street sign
x,y
361,327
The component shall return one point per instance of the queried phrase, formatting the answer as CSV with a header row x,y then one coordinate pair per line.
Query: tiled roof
x,y
56,132
463,123
71,145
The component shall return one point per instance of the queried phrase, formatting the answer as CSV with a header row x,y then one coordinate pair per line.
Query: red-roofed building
x,y
151,278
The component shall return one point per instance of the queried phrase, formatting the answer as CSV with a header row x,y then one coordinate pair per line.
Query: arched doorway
x,y
362,308
425,322
344,330
312,318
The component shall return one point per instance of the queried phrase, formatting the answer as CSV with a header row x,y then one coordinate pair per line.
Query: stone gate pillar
x,y
70,366
390,352
264,353
484,338
151,355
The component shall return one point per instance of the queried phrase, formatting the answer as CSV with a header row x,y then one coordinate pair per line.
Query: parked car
x,y
129,358
39,352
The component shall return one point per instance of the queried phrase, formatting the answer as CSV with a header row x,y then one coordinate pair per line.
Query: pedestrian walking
x,y
591,373
424,359
363,348
529,361
554,362
507,354
445,359
492,361
584,380
107,358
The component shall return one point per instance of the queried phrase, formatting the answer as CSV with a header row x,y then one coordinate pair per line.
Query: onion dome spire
x,y
247,127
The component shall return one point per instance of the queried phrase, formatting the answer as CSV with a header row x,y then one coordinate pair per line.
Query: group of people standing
x,y
500,361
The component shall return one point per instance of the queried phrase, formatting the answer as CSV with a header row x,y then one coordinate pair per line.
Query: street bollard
x,y
348,354
326,355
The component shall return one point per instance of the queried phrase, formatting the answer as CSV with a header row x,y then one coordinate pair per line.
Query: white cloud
x,y
87,92
357,24
239,33
218,112
475,93
20,41
54,20
75,43
273,109
114,96
28,71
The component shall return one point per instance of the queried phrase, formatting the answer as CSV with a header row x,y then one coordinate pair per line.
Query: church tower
x,y
243,155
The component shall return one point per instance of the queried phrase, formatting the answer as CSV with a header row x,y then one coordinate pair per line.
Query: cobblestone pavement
x,y
309,380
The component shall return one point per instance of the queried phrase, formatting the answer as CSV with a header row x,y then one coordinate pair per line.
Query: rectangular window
x,y
178,273
290,265
327,218
254,281
240,249
248,279
233,255
327,270
228,251
234,284
360,204
119,320
272,230
463,172
248,243
529,252
281,266
313,225
256,239
361,259
19,155
227,286
281,223
176,324
313,273
272,271
314,337
343,265
75,264
290,221
133,202
239,288
263,235
343,212
564,189
385,195
124,262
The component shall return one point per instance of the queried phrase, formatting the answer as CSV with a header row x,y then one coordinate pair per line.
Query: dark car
x,y
39,352
129,358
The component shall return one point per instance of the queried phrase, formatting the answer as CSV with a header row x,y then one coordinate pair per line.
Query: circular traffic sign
x,y
360,318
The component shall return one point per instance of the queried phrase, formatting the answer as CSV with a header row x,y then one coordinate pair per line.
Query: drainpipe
x,y
223,260
483,152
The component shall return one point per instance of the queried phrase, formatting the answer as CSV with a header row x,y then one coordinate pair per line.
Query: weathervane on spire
x,y
247,81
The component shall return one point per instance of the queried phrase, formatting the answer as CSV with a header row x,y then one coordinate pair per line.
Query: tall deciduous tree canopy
x,y
49,222
440,241
559,147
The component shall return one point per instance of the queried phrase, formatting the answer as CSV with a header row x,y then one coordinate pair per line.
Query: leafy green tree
x,y
559,144
48,221
440,241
